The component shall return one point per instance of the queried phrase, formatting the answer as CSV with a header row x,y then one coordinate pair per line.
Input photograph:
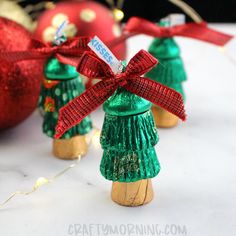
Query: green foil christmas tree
x,y
169,72
129,133
128,138
62,84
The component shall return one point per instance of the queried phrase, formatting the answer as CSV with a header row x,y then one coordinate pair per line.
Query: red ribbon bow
x,y
67,52
93,67
199,31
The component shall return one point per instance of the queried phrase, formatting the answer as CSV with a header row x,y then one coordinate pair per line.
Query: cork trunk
x,y
163,118
70,149
132,194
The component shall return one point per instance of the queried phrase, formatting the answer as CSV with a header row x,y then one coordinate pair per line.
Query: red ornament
x,y
86,18
19,82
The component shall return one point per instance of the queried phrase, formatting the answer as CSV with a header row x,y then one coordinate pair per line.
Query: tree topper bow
x,y
93,67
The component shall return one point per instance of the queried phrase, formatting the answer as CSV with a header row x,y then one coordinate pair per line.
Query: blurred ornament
x,y
69,85
19,82
87,18
11,10
118,14
116,8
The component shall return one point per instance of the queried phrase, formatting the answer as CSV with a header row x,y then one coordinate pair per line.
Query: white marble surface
x,y
196,187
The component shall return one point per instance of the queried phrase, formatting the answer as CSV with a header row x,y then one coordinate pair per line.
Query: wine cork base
x,y
163,118
70,149
132,194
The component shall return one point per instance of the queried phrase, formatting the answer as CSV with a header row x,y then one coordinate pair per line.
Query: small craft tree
x,y
62,85
170,72
129,134
128,138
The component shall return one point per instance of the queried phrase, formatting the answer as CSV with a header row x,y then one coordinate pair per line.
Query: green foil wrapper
x,y
125,103
55,70
135,132
58,96
170,69
128,138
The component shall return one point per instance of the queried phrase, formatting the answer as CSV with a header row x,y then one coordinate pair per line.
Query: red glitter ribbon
x,y
93,67
67,52
199,31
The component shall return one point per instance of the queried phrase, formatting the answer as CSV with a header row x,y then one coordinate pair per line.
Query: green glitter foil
x,y
135,132
128,138
124,103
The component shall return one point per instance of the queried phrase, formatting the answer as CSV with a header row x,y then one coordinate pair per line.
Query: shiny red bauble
x,y
86,18
19,82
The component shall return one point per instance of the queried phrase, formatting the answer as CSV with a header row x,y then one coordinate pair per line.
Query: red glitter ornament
x,y
19,82
86,18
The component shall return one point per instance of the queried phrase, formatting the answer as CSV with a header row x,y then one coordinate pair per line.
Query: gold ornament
x,y
118,14
11,10
116,8
49,5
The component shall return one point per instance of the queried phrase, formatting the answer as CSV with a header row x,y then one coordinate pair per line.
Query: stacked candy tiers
x,y
128,135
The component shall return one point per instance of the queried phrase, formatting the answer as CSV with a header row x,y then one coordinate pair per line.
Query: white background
x,y
196,187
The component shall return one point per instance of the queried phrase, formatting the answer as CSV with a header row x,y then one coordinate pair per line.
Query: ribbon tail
x,y
202,32
199,31
16,56
159,95
77,109
137,25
